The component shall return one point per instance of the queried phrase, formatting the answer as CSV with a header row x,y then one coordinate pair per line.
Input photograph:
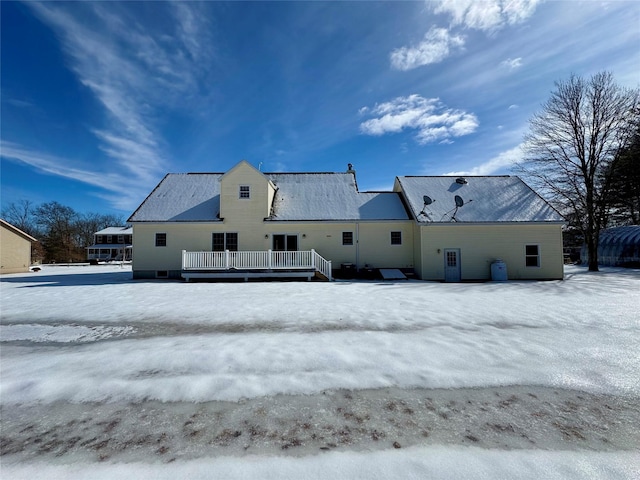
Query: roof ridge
x,y
455,176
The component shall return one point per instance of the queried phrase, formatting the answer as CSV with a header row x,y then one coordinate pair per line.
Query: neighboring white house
x,y
245,220
111,243
15,249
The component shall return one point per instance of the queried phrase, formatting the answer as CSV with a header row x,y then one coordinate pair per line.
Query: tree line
x,y
63,233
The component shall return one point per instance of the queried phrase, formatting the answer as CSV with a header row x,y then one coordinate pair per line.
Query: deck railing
x,y
256,260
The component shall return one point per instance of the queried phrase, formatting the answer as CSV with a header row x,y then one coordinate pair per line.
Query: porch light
x,y
266,236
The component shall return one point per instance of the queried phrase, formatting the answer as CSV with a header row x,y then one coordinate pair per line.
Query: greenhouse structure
x,y
619,246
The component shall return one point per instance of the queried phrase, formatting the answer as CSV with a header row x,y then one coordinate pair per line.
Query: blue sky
x,y
99,100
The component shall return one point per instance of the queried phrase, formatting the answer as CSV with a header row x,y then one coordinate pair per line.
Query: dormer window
x,y
245,191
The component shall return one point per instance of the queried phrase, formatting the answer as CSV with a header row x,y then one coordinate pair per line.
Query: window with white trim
x,y
245,191
396,238
161,239
532,255
225,241
347,238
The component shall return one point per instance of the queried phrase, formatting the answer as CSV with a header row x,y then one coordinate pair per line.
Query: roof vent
x,y
461,181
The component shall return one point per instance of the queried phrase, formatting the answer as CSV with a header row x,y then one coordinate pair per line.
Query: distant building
x,y
618,247
248,223
15,249
112,243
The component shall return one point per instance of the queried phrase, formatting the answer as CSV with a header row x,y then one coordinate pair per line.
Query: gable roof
x,y
17,231
331,196
116,231
182,197
486,199
195,197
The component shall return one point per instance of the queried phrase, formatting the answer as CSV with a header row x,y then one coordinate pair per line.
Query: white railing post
x,y
226,259
313,258
184,257
270,260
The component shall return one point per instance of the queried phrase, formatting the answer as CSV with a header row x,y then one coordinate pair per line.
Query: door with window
x,y
285,243
452,265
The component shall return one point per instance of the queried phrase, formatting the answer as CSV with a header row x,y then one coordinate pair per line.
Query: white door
x,y
452,265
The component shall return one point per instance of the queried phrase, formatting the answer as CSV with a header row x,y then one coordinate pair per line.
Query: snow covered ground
x,y
350,379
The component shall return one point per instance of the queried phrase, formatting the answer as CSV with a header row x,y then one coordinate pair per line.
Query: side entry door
x,y
452,265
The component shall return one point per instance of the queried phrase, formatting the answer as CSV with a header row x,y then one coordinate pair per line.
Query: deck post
x,y
313,258
226,259
184,257
269,259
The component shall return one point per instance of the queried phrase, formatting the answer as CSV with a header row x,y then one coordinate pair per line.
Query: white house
x,y
248,223
111,243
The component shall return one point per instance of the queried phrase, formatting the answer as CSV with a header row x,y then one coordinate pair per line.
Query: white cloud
x,y
433,121
486,15
504,160
438,44
123,189
512,63
134,72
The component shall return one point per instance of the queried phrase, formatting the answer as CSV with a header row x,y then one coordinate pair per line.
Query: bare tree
x,y
89,223
571,144
22,216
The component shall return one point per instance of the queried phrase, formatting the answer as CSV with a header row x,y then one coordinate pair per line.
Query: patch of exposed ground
x,y
518,417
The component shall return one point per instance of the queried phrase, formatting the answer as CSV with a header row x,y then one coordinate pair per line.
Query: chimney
x,y
352,172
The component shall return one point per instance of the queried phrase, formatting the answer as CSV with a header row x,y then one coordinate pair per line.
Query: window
x,y
225,241
120,238
245,191
396,238
98,238
347,238
109,239
161,239
532,256
452,258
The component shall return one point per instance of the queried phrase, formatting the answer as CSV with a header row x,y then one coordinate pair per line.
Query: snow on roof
x,y
486,199
182,197
299,196
331,196
116,231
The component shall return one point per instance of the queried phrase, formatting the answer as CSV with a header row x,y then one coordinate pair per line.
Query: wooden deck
x,y
254,264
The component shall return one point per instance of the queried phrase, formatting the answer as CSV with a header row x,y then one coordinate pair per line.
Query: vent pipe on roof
x,y
461,181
